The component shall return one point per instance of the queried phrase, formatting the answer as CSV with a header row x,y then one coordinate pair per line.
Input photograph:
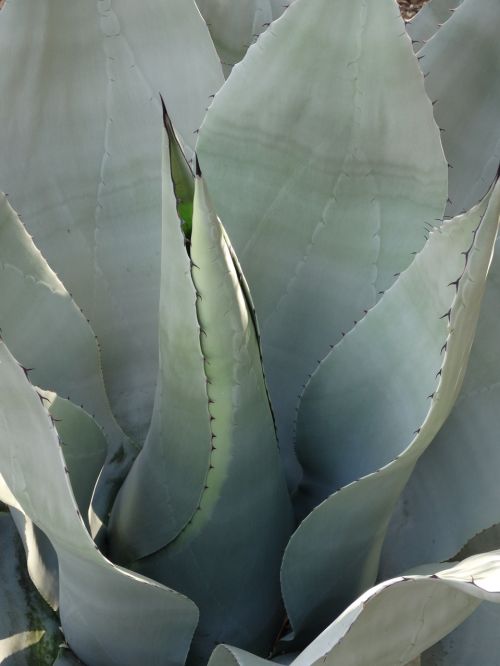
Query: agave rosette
x,y
230,336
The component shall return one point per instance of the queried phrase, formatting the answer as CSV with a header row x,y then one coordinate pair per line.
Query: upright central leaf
x,y
325,164
227,557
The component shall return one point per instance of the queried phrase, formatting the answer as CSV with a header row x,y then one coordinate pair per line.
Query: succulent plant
x,y
213,459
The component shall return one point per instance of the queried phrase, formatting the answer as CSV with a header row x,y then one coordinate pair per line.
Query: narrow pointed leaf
x,y
81,121
245,499
374,420
109,615
299,149
29,632
171,470
181,174
398,619
461,64
429,19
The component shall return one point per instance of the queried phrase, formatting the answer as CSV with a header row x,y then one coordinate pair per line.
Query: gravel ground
x,y
410,7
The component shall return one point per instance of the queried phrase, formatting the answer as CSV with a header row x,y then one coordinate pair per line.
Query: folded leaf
x,y
215,559
371,409
453,493
226,655
396,620
163,489
52,339
325,164
83,445
109,615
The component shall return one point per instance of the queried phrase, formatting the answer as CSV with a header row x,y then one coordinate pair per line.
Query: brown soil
x,y
410,7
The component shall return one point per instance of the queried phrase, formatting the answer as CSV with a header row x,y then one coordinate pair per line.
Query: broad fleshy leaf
x,y
372,423
325,164
454,493
109,615
461,65
29,632
429,19
475,641
81,123
52,339
245,500
234,25
84,447
163,489
395,621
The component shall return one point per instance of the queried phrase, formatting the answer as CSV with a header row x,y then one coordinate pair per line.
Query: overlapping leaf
x,y
216,559
378,416
81,123
429,19
461,65
325,163
108,615
171,470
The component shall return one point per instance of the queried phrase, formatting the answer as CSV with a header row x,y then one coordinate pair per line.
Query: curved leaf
x,y
29,630
51,337
395,621
109,615
234,25
226,655
375,419
216,559
84,448
81,121
163,489
454,492
461,65
429,19
324,172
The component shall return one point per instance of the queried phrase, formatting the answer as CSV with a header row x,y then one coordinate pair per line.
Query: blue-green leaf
x,y
325,164
371,409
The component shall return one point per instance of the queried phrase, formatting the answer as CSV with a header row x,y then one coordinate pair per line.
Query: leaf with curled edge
x,y
110,616
363,425
245,499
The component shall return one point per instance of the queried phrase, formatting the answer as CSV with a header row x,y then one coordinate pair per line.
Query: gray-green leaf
x,y
325,164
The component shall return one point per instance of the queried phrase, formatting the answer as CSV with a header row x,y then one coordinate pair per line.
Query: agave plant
x,y
279,297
